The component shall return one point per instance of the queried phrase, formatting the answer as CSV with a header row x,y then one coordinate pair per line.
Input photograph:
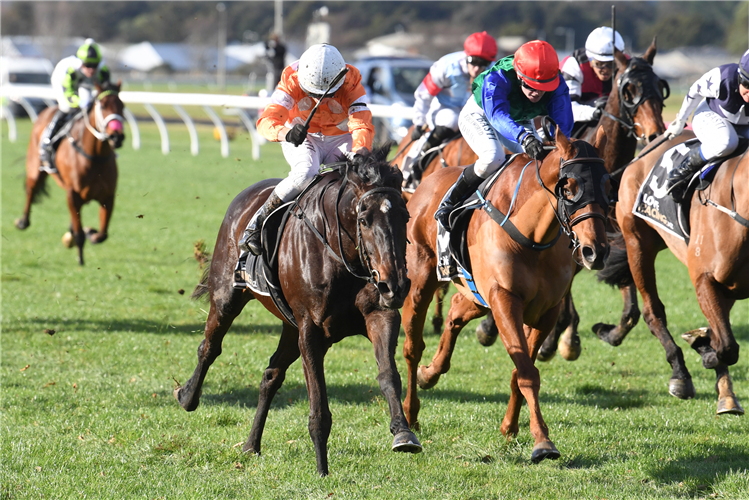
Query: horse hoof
x,y
21,223
729,406
569,346
67,240
603,331
422,381
406,441
543,451
682,389
545,356
485,338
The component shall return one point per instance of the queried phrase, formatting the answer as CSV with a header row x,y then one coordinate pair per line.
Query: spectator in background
x,y
275,52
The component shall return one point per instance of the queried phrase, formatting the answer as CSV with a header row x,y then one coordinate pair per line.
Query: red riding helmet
x,y
481,45
537,64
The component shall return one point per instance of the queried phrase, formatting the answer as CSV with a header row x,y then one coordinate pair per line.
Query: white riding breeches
x,y
440,116
485,140
718,136
306,159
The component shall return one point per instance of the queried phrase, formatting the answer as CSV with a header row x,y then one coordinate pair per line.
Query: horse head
x,y
583,193
640,95
381,218
107,119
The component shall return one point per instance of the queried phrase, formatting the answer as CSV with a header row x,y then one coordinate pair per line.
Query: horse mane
x,y
375,170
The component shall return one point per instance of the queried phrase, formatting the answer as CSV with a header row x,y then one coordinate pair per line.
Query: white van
x,y
25,71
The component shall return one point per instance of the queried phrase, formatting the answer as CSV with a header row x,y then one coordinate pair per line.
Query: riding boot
x,y
678,179
46,147
251,239
439,135
462,189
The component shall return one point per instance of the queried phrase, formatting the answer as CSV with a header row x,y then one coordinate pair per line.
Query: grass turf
x,y
89,410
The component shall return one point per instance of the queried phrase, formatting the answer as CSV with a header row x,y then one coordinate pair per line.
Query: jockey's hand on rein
x,y
417,132
296,135
533,147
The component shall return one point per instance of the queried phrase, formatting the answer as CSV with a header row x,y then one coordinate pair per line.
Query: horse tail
x,y
201,289
616,272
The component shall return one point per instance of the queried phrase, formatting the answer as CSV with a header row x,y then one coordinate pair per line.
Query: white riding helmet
x,y
598,44
318,66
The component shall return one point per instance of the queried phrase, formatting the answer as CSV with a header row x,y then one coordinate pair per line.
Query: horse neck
x,y
323,209
620,144
534,211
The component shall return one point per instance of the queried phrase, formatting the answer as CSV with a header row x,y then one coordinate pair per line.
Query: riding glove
x,y
417,132
297,135
676,128
596,114
533,147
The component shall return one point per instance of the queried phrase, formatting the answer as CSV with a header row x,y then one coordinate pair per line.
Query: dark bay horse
x,y
717,256
86,163
633,114
524,286
353,284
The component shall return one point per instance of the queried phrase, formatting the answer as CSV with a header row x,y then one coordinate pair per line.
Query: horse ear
x,y
564,145
650,53
119,84
621,59
600,144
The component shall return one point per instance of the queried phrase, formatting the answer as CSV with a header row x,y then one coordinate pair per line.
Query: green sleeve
x,y
70,88
104,75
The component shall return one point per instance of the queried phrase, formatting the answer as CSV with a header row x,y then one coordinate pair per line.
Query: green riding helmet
x,y
89,53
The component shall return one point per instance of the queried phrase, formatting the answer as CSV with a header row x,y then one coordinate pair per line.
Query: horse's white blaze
x,y
385,206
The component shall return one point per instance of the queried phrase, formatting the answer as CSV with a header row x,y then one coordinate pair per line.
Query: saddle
x,y
64,131
657,207
415,157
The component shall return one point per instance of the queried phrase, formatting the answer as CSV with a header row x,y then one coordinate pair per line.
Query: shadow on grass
x,y
701,470
131,325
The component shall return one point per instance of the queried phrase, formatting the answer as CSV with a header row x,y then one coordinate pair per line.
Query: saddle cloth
x,y
655,206
412,154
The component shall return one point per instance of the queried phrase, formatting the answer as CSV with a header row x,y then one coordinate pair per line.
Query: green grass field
x,y
88,412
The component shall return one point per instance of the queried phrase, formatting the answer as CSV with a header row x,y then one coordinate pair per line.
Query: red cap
x,y
537,64
481,45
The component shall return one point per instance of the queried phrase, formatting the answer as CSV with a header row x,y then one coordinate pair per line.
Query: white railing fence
x,y
232,105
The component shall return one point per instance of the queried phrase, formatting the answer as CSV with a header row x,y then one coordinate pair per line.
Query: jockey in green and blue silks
x,y
73,81
506,98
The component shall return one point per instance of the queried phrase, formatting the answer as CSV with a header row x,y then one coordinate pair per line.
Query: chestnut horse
x,y
717,256
633,114
86,163
523,282
353,284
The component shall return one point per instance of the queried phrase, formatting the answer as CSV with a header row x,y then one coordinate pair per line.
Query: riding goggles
x,y
477,61
743,80
524,84
602,64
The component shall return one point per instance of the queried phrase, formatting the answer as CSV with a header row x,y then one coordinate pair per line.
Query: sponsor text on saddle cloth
x,y
654,204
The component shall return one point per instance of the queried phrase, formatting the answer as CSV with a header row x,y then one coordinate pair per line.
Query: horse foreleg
x,y
220,318
438,319
614,334
461,312
565,331
105,215
75,203
641,253
382,330
727,402
423,285
286,353
522,344
313,349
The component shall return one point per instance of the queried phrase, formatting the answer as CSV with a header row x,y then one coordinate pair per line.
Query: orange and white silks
x,y
345,112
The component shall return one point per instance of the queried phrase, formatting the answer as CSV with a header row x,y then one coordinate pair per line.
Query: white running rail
x,y
231,104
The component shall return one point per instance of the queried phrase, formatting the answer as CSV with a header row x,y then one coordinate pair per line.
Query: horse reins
x,y
101,123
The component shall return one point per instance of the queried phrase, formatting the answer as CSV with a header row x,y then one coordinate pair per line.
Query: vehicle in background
x,y
392,81
25,71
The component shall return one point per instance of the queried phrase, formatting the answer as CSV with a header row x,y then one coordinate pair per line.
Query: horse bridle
x,y
101,122
364,257
640,74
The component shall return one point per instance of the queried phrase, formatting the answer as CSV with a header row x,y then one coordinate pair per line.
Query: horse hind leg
x,y
614,334
565,335
486,331
75,203
273,378
438,320
461,312
35,186
220,318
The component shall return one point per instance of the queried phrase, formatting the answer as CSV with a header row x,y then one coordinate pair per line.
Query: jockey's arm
x,y
560,108
271,124
432,85
573,77
70,84
359,115
103,75
708,85
495,94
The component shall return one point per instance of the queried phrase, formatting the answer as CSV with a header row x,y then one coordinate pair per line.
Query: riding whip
x,y
319,101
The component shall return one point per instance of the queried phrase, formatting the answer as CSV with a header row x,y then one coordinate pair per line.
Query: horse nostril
x,y
384,290
589,254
